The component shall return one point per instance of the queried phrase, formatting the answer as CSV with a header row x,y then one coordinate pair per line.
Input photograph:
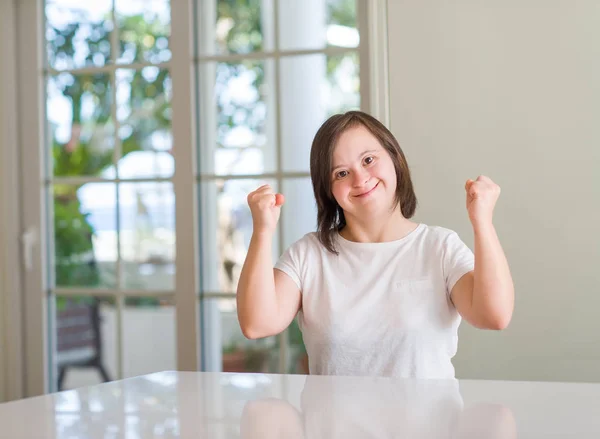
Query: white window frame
x,y
29,58
31,121
11,385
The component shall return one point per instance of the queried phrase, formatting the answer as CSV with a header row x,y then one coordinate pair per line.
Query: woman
x,y
375,293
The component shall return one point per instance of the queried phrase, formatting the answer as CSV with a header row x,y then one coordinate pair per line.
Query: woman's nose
x,y
361,176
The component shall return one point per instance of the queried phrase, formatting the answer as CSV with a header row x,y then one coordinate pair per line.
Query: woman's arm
x,y
485,297
267,299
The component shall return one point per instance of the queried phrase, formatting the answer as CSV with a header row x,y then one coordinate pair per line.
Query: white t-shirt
x,y
380,309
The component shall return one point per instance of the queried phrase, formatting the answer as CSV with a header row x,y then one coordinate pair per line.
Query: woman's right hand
x,y
265,206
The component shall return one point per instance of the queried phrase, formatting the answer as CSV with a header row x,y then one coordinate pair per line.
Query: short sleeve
x,y
289,263
458,260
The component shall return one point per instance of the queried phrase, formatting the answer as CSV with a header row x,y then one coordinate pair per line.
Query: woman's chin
x,y
371,208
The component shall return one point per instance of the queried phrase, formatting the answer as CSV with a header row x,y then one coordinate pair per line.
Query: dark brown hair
x,y
330,216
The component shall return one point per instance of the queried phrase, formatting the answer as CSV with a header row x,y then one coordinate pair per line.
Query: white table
x,y
220,405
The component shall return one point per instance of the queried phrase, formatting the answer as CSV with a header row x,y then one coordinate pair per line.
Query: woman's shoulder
x,y
306,250
310,241
437,231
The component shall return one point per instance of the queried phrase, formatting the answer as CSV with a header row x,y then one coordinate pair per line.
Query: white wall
x,y
511,89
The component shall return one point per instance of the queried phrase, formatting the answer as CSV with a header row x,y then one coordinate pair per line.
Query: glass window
x,y
112,208
265,85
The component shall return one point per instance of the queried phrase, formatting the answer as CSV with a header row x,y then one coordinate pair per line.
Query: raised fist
x,y
265,206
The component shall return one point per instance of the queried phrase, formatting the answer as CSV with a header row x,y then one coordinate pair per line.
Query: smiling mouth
x,y
364,194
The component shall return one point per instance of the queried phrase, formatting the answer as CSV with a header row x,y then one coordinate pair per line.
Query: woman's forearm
x,y
493,289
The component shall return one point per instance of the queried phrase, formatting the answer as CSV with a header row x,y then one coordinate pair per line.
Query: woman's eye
x,y
342,174
369,160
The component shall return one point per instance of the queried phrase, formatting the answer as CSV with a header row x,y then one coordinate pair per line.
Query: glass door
x,y
269,72
109,192
158,117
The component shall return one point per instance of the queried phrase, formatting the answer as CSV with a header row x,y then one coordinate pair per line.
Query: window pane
x,y
241,26
86,341
78,33
80,124
225,347
84,235
149,343
299,211
147,235
342,87
144,113
237,118
226,224
315,24
313,87
299,218
144,30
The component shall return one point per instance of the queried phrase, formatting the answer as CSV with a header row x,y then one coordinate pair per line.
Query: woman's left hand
x,y
482,195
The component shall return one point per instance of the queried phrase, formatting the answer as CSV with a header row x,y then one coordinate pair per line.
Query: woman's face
x,y
363,175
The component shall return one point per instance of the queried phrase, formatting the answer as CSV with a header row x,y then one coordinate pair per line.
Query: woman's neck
x,y
383,229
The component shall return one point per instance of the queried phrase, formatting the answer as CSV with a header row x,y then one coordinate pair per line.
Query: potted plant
x,y
299,363
240,357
